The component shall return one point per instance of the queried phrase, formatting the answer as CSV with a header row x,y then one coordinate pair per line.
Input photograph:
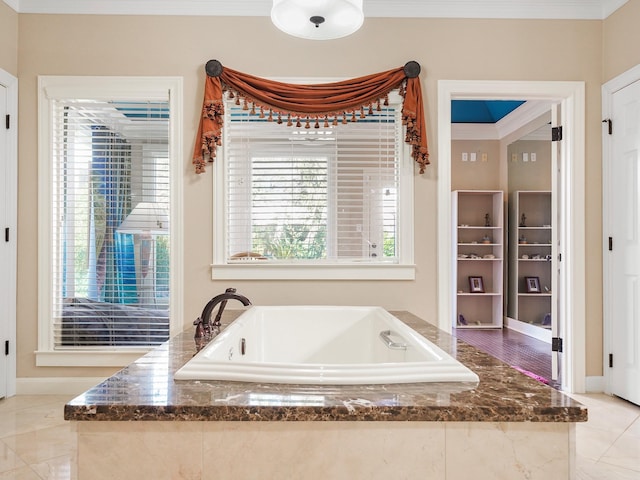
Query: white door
x,y
557,224
5,253
624,253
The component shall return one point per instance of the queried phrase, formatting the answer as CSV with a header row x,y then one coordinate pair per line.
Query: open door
x,y
556,241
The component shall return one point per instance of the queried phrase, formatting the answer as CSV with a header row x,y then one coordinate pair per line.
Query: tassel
x,y
362,115
378,106
306,125
261,112
344,118
238,101
270,119
298,124
253,109
231,95
386,100
353,117
326,122
316,125
289,122
335,121
244,105
371,109
279,119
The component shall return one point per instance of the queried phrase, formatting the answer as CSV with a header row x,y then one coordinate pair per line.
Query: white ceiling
x,y
540,9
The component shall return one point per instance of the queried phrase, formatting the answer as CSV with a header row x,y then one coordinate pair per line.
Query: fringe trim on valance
x,y
309,105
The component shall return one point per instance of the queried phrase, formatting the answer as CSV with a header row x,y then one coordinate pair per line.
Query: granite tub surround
x,y
146,390
508,426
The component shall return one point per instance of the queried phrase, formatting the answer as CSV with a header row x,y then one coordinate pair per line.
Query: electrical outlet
x,y
484,157
473,156
525,157
465,157
533,157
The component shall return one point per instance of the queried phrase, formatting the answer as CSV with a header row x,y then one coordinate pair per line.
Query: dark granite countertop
x,y
146,390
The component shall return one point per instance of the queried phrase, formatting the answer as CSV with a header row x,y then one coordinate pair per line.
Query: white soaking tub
x,y
332,345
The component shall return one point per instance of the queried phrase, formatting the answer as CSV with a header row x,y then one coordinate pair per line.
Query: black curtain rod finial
x,y
213,68
412,69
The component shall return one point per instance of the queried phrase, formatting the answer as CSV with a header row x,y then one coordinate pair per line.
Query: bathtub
x,y
333,345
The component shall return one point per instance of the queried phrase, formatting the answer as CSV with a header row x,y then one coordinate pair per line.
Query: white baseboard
x,y
595,384
55,385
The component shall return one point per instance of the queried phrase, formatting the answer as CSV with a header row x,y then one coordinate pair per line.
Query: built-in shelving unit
x,y
530,263
478,241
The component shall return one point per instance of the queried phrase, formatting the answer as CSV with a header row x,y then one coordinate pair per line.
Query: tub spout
x,y
204,326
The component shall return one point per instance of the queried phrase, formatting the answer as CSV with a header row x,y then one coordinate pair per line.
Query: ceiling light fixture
x,y
317,19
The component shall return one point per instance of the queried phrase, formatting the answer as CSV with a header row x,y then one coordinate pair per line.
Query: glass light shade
x,y
146,218
317,19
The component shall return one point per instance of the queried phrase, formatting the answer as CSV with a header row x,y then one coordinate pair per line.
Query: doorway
x,y
570,96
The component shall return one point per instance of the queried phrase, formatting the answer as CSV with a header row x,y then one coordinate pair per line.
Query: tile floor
x,y
36,443
516,349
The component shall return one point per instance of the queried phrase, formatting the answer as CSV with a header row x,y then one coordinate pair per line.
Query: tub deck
x,y
146,390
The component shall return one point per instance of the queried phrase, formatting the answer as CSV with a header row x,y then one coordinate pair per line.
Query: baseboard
x,y
595,384
55,385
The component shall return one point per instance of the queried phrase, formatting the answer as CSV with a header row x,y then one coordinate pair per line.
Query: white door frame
x,y
571,95
608,89
8,279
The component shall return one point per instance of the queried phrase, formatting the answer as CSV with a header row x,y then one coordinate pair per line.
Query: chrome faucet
x,y
204,327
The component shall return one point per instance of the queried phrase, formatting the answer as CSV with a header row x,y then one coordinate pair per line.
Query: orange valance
x,y
294,104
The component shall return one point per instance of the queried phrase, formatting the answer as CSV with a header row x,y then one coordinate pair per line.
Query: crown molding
x,y
506,9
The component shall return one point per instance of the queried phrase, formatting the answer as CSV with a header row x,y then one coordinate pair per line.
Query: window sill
x,y
275,271
85,358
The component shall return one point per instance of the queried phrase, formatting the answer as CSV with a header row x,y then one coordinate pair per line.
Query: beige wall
x,y
621,37
478,175
446,49
8,39
529,175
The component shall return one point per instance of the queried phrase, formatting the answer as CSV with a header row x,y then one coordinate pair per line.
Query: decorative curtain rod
x,y
344,101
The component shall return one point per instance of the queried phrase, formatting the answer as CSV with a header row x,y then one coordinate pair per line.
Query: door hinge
x,y
611,360
609,125
7,121
556,344
6,234
610,243
6,347
556,134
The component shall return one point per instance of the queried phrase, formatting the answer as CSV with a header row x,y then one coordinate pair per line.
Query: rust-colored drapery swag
x,y
294,104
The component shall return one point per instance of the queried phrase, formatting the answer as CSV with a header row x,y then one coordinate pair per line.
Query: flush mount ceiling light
x,y
317,19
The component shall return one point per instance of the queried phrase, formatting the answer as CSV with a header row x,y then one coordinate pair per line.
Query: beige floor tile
x,y
23,473
29,419
9,460
625,452
59,468
590,470
43,444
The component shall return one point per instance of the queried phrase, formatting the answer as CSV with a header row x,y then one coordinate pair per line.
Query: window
x,y
105,214
313,200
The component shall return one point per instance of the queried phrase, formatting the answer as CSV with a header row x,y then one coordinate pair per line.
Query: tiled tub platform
x,y
140,423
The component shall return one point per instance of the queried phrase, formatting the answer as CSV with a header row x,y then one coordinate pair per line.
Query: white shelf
x,y
470,207
526,311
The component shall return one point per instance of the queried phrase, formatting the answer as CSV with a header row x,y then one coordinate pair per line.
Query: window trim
x,y
54,87
347,270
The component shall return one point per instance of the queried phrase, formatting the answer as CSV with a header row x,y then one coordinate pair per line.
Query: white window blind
x,y
313,192
110,223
